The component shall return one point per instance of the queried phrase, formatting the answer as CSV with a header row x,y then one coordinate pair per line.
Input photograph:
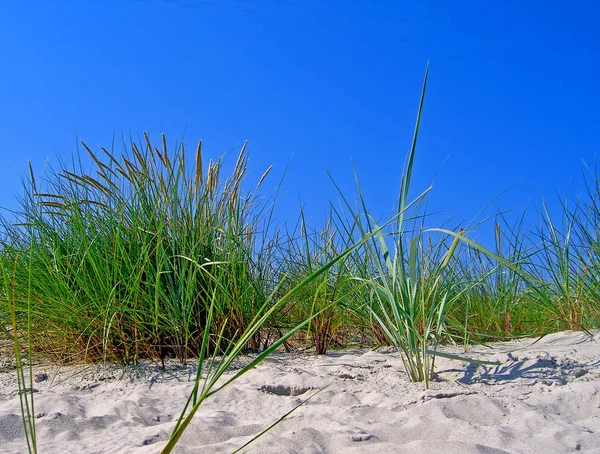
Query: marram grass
x,y
156,254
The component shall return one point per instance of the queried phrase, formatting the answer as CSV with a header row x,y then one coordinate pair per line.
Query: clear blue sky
x,y
513,95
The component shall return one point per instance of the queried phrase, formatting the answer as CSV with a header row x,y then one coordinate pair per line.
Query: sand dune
x,y
543,398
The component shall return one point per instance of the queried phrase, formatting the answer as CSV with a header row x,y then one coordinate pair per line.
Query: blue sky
x,y
513,95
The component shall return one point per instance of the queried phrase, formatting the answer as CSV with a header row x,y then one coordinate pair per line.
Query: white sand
x,y
544,398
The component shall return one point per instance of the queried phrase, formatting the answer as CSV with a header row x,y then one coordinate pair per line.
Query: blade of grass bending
x,y
280,420
207,392
486,252
203,348
254,326
30,412
19,364
193,398
26,400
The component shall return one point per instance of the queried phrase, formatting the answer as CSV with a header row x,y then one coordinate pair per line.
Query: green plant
x,y
105,253
410,292
25,383
151,257
565,268
495,303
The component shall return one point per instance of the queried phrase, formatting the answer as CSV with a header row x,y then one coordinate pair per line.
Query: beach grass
x,y
156,254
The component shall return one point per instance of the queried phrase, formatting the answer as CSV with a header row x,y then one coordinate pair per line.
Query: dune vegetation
x,y
157,254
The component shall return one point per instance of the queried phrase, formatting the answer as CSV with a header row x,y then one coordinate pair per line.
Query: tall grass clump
x,y
415,275
494,303
588,234
108,253
567,265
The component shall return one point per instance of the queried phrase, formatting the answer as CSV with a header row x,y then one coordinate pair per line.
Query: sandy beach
x,y
543,398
